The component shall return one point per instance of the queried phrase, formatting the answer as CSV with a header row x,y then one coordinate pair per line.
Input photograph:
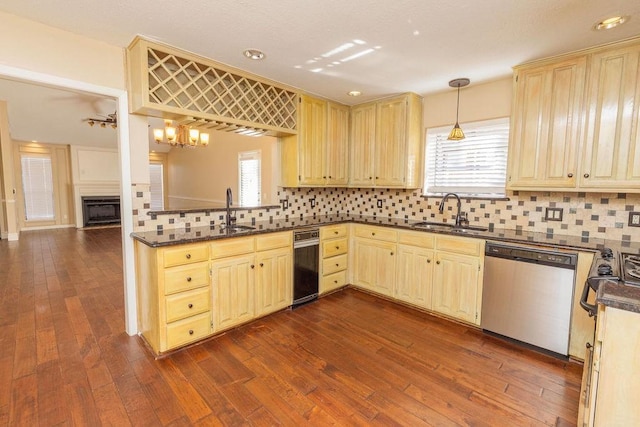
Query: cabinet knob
x,y
370,177
261,265
391,253
253,266
330,177
377,177
570,175
586,175
188,278
437,262
338,248
188,256
190,305
335,232
337,265
335,281
190,331
373,234
428,261
324,177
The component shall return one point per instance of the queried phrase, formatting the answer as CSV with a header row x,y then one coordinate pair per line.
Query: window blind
x,y
249,167
37,183
156,174
476,165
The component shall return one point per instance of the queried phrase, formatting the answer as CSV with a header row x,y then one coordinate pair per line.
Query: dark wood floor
x,y
347,359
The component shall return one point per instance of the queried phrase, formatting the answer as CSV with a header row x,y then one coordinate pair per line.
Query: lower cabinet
x,y
414,279
374,265
233,281
274,280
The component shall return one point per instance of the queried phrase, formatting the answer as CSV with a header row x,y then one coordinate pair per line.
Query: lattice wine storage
x,y
166,82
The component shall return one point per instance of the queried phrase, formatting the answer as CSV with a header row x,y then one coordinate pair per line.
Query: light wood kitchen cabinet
x,y
386,143
233,280
457,278
564,140
251,277
274,281
334,246
174,297
612,136
414,279
612,394
374,258
319,154
545,126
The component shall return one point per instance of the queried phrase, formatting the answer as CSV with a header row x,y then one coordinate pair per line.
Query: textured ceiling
x,y
412,45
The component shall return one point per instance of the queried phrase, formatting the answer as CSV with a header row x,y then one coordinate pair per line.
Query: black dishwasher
x,y
306,260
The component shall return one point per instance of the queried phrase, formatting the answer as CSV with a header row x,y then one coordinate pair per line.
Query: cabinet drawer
x,y
334,247
378,233
187,304
417,238
460,245
273,241
187,254
188,330
334,231
334,264
185,277
230,247
333,281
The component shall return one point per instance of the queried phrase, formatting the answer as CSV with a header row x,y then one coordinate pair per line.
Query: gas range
x,y
605,266
630,269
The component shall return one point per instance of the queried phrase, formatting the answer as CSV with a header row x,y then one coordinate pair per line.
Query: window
x,y
476,165
250,178
37,185
156,175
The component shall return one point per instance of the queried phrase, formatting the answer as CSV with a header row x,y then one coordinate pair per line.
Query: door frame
x,y
120,95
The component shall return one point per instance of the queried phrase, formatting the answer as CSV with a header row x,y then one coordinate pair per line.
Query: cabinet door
x,y
375,265
391,142
274,280
311,140
363,133
337,144
456,286
414,275
546,125
612,137
233,291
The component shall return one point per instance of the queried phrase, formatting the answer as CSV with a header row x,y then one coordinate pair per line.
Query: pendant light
x,y
456,133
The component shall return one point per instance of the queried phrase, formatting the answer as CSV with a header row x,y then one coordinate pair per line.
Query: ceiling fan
x,y
109,119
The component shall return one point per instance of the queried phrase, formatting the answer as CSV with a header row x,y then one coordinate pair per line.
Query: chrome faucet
x,y
460,217
230,220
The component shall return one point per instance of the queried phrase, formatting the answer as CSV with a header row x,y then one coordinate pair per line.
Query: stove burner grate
x,y
635,273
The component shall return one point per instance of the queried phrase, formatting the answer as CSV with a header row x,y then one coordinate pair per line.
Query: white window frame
x,y
489,165
153,187
249,198
40,195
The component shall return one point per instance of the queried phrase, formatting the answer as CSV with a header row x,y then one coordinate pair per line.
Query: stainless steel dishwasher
x,y
528,294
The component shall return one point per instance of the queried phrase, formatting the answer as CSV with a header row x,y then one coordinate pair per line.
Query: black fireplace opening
x,y
103,210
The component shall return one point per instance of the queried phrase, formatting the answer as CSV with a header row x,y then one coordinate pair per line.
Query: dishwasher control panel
x,y
531,255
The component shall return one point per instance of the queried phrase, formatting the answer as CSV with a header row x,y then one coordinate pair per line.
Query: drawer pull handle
x,y
190,331
188,278
190,305
188,256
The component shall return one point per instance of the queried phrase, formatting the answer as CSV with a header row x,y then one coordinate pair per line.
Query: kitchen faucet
x,y
230,220
460,217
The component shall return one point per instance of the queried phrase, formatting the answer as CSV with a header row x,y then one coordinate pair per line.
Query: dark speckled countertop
x,y
613,294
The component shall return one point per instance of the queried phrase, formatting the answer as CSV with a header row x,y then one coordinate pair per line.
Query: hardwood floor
x,y
347,359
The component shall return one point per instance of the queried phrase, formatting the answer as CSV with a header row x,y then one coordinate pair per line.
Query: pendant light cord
x,y
458,105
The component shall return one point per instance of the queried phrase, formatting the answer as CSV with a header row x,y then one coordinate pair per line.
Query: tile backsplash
x,y
600,215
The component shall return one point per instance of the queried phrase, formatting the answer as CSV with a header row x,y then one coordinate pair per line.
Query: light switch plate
x,y
634,219
553,214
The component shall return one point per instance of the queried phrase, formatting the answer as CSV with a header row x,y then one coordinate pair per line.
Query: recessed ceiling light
x,y
609,23
254,54
355,93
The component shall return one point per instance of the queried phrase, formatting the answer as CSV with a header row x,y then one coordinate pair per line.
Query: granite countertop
x,y
617,295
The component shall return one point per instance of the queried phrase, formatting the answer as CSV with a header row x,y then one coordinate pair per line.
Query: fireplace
x,y
100,210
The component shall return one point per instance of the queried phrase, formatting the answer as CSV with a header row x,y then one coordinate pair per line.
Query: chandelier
x,y
180,135
110,119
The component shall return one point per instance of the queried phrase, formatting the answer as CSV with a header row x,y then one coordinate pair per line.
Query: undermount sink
x,y
449,227
238,228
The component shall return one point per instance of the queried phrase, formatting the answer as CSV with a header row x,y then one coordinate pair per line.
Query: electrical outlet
x,y
380,203
285,204
634,219
553,214
313,202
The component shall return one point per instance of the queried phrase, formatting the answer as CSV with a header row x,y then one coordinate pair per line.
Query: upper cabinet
x,y
318,155
575,122
377,144
612,148
386,143
546,124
